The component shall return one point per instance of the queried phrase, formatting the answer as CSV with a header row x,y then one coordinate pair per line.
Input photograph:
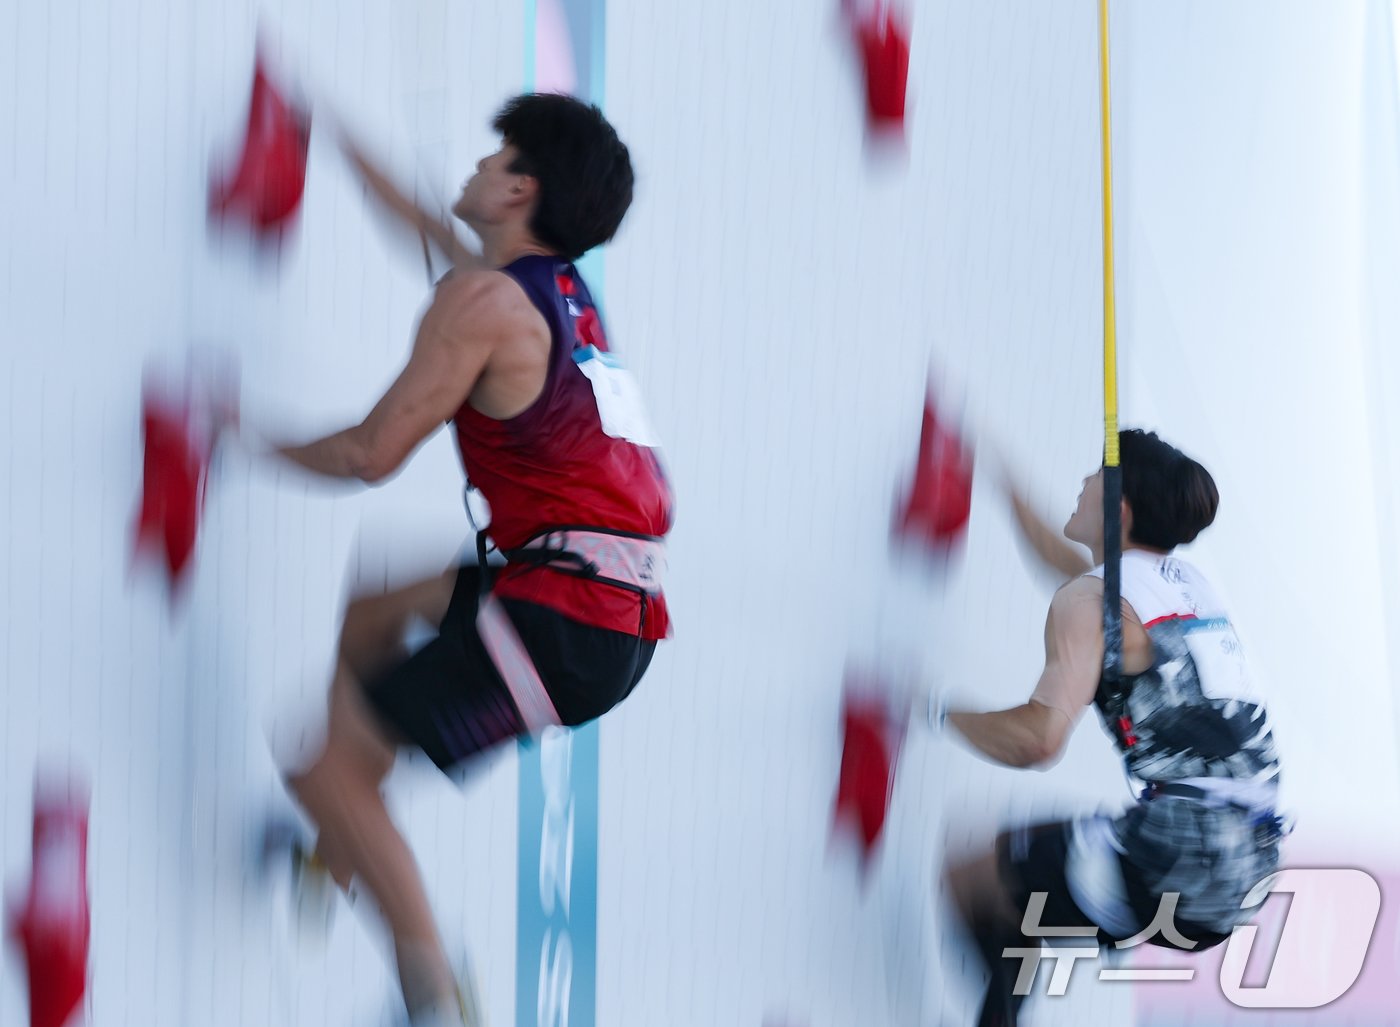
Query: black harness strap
x,y
1112,696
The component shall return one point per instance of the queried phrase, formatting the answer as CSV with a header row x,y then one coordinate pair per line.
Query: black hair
x,y
1172,497
583,169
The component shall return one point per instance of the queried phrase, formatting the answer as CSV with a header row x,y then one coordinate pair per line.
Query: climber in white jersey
x,y
1187,718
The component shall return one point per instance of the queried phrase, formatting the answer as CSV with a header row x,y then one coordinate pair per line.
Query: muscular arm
x,y
471,314
1053,549
1024,736
434,228
1034,733
1049,545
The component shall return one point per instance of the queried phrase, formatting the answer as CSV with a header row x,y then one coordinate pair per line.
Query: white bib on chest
x,y
619,398
1165,588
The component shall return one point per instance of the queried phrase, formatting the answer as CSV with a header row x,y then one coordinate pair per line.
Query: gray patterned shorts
x,y
1118,873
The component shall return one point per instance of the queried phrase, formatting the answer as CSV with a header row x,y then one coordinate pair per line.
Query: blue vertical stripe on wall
x,y
557,897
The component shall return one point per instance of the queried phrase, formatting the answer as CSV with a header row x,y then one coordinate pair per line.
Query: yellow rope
x,y
1110,329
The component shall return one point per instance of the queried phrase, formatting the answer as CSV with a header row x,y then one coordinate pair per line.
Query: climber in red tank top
x,y
553,433
556,463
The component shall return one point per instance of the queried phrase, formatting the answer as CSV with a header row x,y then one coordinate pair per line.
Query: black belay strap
x,y
1112,702
1112,697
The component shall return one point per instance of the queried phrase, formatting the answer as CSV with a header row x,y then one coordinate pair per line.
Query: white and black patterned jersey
x,y
1197,712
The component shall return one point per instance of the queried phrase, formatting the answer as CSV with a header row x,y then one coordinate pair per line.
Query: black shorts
x,y
1034,859
449,700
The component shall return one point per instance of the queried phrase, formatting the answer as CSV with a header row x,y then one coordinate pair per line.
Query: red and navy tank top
x,y
554,465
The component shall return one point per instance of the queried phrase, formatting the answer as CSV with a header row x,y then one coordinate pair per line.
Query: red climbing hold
x,y
173,486
940,499
266,188
180,427
53,925
882,36
873,733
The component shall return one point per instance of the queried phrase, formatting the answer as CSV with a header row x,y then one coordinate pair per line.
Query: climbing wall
x,y
782,288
